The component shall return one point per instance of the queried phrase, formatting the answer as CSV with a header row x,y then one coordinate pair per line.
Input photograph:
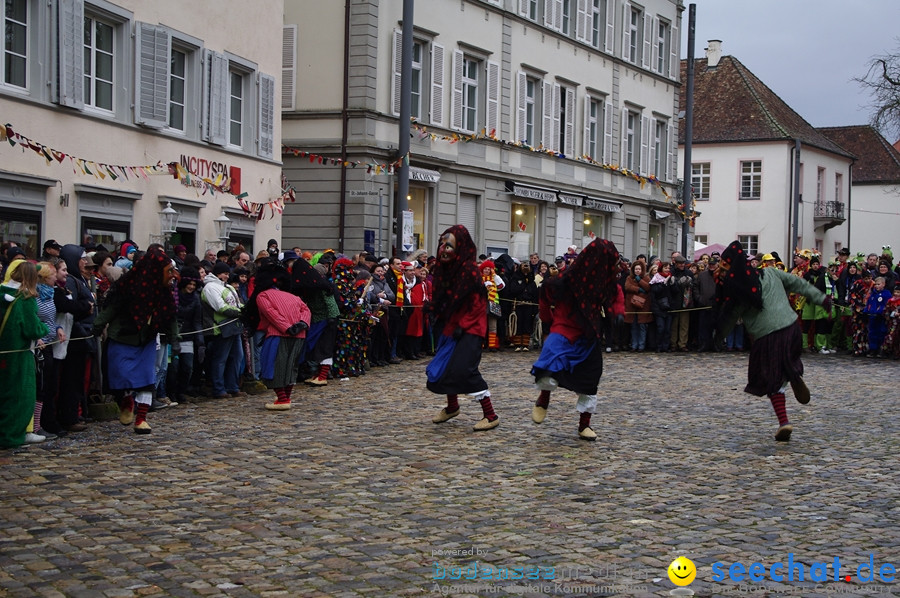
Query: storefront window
x,y
22,228
523,222
416,203
104,232
655,242
594,227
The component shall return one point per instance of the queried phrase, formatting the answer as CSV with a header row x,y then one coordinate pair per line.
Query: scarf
x,y
45,292
658,278
741,283
398,300
456,282
491,288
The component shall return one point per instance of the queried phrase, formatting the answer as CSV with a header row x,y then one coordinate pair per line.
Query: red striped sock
x,y
778,405
543,399
140,414
452,403
38,407
323,371
585,421
488,409
283,395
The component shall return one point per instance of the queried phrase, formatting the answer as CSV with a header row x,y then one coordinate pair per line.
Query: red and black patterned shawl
x,y
592,280
151,304
741,283
455,283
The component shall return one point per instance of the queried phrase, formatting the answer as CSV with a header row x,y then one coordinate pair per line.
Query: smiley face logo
x,y
682,571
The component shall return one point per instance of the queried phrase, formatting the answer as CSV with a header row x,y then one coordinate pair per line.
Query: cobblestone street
x,y
354,492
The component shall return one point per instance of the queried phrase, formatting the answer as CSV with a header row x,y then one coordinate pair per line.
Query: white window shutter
x,y
153,49
609,42
654,59
648,41
492,123
582,23
623,128
266,146
570,123
216,97
467,213
674,51
289,67
70,23
456,118
586,140
651,149
645,146
523,8
671,155
557,125
607,133
437,85
547,112
626,32
549,21
557,14
396,78
521,105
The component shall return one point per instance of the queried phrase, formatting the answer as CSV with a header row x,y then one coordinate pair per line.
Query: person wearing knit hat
x,y
459,305
126,256
816,322
494,284
223,342
758,296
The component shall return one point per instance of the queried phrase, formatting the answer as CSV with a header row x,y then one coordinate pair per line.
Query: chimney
x,y
713,53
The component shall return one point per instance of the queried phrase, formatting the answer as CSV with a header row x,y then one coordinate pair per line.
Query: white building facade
x,y
101,97
537,124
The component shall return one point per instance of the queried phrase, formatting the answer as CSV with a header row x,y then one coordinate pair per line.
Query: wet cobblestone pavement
x,y
354,492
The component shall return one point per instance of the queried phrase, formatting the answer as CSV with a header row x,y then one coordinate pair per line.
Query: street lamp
x,y
223,228
168,222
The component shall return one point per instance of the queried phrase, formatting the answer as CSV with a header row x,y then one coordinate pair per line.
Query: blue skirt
x,y
576,366
130,367
454,368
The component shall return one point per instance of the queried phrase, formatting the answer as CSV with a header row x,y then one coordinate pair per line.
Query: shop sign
x,y
601,205
423,175
531,192
572,200
210,169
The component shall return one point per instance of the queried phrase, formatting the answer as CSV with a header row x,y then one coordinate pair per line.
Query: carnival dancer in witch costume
x,y
138,306
284,318
759,297
459,304
572,305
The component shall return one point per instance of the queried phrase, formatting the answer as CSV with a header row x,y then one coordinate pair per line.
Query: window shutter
x,y
607,133
467,213
671,155
651,150
152,55
654,60
216,79
523,8
648,42
626,32
557,14
645,146
492,123
71,53
623,129
266,116
437,85
521,105
547,111
609,42
674,47
557,125
586,140
456,117
570,122
289,67
548,13
582,29
396,79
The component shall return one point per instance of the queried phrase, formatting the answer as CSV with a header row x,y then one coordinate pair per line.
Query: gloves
x,y
457,334
297,328
826,303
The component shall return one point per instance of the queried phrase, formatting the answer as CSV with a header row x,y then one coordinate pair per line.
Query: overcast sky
x,y
806,51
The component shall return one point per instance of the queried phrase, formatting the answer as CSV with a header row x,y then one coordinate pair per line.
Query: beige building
x,y
102,96
538,123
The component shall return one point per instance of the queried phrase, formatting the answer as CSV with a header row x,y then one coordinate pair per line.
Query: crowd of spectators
x,y
370,312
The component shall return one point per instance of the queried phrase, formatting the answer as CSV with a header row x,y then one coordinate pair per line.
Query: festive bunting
x,y
371,168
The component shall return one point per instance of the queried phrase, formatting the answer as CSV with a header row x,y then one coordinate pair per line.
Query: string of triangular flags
x,y
371,167
83,166
423,133
258,210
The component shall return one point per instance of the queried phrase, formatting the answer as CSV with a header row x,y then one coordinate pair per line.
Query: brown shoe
x,y
538,414
126,417
801,391
77,427
784,433
142,428
444,416
486,424
587,434
238,395
317,382
278,406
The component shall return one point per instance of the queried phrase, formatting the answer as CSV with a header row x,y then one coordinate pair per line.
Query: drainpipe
x,y
795,199
403,128
688,131
344,127
849,197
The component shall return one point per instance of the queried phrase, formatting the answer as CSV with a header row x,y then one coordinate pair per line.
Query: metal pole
x,y
404,128
796,198
687,196
380,223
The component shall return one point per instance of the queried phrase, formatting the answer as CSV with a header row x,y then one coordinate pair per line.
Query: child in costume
x,y
459,304
573,306
494,284
875,306
758,296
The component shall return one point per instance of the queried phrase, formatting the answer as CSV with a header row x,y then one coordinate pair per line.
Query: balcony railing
x,y
829,209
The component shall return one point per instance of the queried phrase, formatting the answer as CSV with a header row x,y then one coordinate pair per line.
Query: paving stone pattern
x,y
354,492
